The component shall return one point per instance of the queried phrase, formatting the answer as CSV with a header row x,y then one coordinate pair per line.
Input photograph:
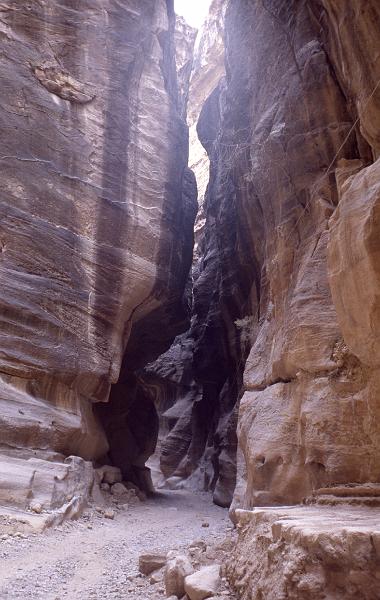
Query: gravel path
x,y
97,558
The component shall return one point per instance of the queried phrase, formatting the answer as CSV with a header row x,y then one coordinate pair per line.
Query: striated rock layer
x,y
293,137
289,114
97,209
287,270
302,553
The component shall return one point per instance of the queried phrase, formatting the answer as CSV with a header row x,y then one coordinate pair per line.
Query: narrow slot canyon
x,y
189,300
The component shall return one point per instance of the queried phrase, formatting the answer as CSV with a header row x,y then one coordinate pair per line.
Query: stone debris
x,y
110,475
157,577
150,562
109,513
203,583
177,568
36,507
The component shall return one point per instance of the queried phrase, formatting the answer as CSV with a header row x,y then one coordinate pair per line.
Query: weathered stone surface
x,y
208,70
354,261
309,416
185,37
42,487
303,553
176,570
97,208
150,562
194,383
290,255
203,583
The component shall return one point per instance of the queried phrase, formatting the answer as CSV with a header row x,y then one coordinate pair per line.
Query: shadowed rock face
x,y
97,209
196,383
288,253
309,417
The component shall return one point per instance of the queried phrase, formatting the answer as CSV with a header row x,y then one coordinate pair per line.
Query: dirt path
x,y
97,558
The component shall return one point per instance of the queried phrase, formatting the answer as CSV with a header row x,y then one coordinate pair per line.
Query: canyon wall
x,y
96,232
307,110
286,262
197,382
293,137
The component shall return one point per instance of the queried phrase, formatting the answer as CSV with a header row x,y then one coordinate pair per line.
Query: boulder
x,y
109,474
204,583
177,569
151,561
118,489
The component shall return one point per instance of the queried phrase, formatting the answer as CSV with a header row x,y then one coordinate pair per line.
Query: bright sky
x,y
194,11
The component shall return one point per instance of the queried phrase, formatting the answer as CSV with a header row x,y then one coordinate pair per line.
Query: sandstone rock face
x,y
354,265
97,209
185,37
290,255
287,265
194,384
301,553
208,69
309,417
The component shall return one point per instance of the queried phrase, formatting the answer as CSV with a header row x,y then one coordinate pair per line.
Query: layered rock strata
x,y
288,269
291,113
297,143
303,553
96,228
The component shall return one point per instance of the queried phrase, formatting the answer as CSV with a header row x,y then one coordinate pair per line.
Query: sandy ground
x,y
97,558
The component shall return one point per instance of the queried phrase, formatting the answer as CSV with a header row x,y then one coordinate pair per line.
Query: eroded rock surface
x,y
295,152
287,271
97,213
308,418
301,553
195,383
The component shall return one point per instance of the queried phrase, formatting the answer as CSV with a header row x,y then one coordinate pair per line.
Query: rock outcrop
x,y
291,229
287,272
303,553
97,211
309,417
278,269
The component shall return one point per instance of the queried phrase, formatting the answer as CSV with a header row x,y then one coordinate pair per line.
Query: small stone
x,y
109,513
36,507
205,524
5,536
118,489
199,544
105,487
150,562
156,577
109,474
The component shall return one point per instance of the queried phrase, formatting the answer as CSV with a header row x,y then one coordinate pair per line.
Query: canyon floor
x,y
97,558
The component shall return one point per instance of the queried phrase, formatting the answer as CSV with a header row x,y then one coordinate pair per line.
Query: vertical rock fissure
x,y
197,383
